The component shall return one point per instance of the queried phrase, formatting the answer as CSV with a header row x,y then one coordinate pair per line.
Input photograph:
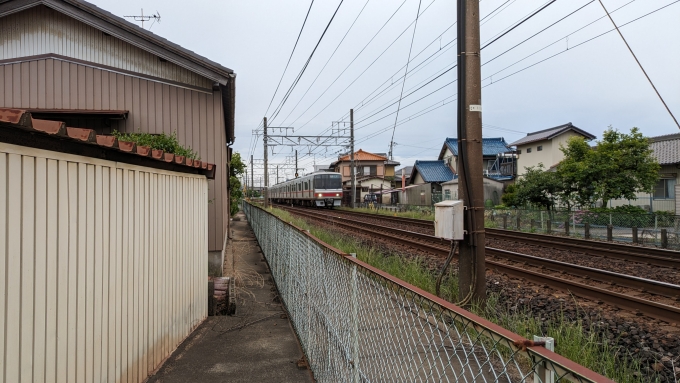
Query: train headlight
x,y
319,194
337,194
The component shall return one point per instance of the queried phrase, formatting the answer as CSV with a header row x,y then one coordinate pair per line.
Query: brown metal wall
x,y
154,107
41,30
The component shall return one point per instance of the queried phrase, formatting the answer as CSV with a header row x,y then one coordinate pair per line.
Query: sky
x,y
542,74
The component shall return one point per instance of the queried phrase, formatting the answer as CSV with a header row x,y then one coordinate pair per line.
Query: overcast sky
x,y
593,85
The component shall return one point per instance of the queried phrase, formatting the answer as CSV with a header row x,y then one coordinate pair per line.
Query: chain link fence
x,y
359,324
661,230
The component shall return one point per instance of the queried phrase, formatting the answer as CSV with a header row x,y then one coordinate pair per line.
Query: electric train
x,y
320,189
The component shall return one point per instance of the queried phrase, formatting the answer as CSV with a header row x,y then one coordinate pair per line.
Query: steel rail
x,y
647,255
652,256
441,246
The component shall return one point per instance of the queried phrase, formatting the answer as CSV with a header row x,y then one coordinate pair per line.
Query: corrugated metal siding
x,y
197,117
41,30
102,268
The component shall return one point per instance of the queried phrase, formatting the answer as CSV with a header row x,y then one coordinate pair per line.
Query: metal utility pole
x,y
351,159
252,174
296,164
471,265
266,172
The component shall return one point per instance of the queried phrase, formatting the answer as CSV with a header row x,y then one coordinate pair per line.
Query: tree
x,y
509,197
538,187
236,168
620,166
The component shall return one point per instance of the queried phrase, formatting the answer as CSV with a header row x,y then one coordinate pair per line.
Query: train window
x,y
328,181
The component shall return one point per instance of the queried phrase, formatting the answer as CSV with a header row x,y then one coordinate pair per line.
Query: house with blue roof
x,y
496,154
425,172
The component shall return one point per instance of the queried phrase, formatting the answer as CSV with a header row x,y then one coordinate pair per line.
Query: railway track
x,y
518,265
646,255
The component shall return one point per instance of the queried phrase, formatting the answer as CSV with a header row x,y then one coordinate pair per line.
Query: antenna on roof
x,y
143,18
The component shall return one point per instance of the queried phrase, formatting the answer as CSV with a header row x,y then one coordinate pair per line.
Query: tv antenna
x,y
143,18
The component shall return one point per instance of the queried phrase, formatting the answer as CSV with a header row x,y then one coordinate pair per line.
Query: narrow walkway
x,y
255,345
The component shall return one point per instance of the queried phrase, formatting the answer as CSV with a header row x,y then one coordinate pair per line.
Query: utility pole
x,y
266,172
351,159
296,164
245,182
277,174
471,265
252,173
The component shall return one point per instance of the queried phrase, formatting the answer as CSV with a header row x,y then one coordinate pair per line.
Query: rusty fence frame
x,y
356,323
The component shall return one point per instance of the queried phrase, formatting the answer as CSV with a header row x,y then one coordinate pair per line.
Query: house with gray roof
x,y
543,146
666,195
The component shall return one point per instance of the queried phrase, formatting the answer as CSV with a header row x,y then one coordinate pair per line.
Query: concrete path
x,y
256,345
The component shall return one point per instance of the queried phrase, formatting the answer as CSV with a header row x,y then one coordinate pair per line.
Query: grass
x,y
426,215
573,339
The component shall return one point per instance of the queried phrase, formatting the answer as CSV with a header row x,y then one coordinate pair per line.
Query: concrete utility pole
x,y
471,265
245,182
351,159
296,164
277,174
266,172
252,174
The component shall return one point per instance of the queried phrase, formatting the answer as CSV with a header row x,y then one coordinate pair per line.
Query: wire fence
x,y
661,230
358,324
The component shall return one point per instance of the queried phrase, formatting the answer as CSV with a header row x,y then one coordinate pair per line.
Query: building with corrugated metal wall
x,y
72,61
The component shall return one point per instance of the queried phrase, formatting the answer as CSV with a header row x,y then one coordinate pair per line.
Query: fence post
x,y
533,224
542,374
635,234
656,221
664,239
548,226
505,221
519,222
355,323
586,230
610,232
573,221
566,227
541,220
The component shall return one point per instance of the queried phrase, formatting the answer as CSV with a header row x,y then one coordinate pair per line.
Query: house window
x,y
447,195
665,189
528,150
539,148
370,170
519,151
365,190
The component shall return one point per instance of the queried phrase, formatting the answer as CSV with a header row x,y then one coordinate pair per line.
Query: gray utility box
x,y
448,220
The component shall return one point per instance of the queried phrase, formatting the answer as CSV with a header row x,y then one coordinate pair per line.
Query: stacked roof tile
x,y
666,148
19,120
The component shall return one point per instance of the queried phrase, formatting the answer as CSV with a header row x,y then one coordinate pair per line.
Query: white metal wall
x,y
103,266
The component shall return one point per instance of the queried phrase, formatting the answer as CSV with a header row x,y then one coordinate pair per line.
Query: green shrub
x,y
168,144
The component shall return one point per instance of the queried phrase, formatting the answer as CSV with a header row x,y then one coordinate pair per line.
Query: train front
x,y
328,190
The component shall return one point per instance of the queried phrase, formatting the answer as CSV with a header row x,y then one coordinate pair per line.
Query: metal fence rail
x,y
359,324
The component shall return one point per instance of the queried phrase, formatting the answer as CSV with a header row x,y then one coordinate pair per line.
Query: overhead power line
x,y
640,65
415,27
290,57
304,68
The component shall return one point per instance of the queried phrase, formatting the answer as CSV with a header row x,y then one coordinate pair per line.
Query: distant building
x,y
406,170
543,146
666,195
374,173
430,172
498,161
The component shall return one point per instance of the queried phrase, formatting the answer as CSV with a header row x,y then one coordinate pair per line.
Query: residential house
x,y
666,195
543,146
71,61
494,154
406,172
425,182
374,172
493,190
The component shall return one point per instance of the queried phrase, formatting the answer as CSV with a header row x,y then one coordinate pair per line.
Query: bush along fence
x,y
661,230
358,324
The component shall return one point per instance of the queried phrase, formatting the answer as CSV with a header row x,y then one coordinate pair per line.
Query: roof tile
x,y
666,149
362,155
490,146
550,133
433,171
19,118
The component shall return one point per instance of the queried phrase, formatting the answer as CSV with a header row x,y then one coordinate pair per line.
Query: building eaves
x,y
547,134
666,149
18,127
